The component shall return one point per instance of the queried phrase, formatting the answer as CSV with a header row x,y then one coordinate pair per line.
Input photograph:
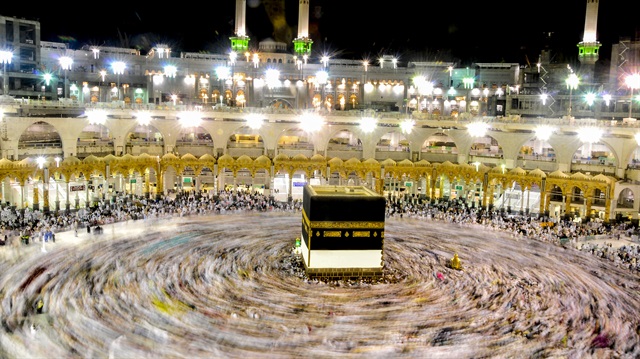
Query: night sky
x,y
464,31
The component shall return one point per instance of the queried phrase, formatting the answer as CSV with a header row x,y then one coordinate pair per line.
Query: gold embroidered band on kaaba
x,y
340,224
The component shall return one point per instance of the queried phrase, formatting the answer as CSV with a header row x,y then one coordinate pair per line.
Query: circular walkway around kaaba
x,y
229,286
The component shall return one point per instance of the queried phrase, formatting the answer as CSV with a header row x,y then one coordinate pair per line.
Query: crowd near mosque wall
x,y
80,124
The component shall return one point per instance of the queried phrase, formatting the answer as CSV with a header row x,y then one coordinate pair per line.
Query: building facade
x,y
479,130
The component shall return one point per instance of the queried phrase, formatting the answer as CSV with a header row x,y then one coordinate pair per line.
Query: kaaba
x,y
342,231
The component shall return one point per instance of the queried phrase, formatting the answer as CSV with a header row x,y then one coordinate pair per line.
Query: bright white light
x,y
325,61
368,124
5,56
190,80
544,97
96,117
468,82
223,72
607,99
272,77
163,50
368,87
589,134
544,132
41,161
118,67
170,71
65,62
590,98
311,122
190,119
407,126
254,121
321,77
572,81
477,129
413,103
143,118
632,81
424,87
257,83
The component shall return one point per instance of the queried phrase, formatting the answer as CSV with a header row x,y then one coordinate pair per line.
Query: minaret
x,y
302,43
240,42
588,52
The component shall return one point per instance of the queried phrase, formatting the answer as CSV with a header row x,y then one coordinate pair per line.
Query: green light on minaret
x,y
588,48
239,44
589,51
302,46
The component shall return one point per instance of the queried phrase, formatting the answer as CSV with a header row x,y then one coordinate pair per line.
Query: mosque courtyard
x,y
231,286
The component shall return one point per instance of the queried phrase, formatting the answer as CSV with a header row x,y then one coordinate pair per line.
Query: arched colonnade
x,y
28,184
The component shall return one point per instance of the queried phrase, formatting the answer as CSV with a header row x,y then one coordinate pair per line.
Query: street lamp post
x,y
41,161
365,64
118,69
322,77
65,65
272,77
232,61
47,77
223,73
57,159
171,71
103,74
633,82
572,83
297,63
301,83
5,58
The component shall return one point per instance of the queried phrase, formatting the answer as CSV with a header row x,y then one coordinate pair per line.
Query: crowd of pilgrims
x,y
16,223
